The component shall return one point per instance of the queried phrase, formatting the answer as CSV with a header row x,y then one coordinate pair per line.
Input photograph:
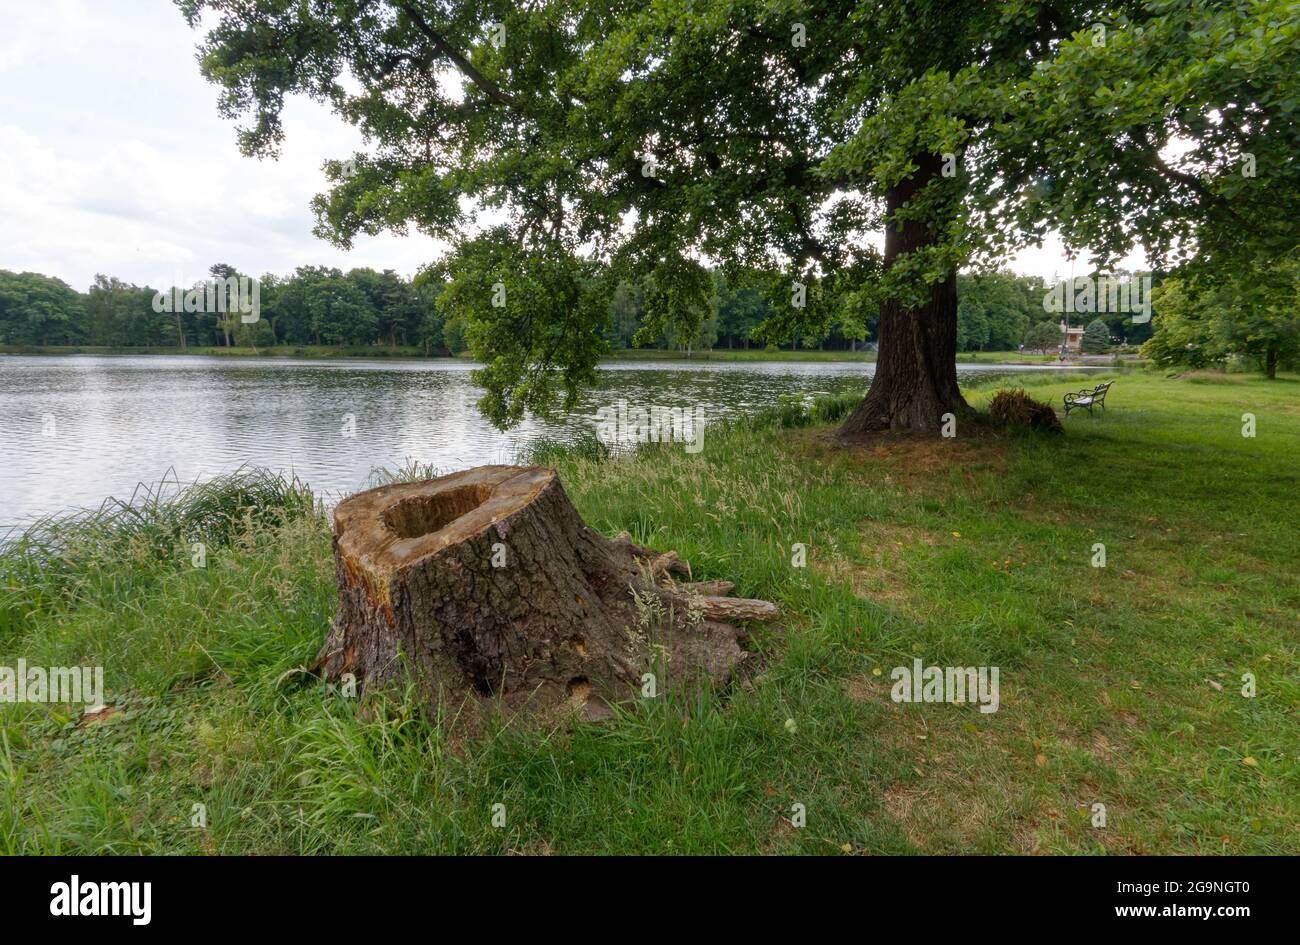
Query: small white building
x,y
1072,337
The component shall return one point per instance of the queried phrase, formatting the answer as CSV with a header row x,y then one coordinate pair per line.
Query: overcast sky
x,y
113,159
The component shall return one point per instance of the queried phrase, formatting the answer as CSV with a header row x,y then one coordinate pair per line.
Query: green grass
x,y
1119,685
1005,357
801,410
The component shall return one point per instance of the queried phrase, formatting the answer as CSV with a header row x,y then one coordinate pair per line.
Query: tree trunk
x,y
487,584
1270,363
915,382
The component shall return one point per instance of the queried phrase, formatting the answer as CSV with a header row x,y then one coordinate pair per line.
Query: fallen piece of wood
x,y
708,588
726,609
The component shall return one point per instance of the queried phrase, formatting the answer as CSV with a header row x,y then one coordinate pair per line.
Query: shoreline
x,y
756,356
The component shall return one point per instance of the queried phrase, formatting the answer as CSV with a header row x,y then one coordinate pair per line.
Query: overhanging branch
x,y
444,49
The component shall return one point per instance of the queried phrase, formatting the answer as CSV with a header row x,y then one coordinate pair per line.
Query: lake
x,y
77,429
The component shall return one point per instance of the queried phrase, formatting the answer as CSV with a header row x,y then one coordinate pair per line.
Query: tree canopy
x,y
38,310
313,305
1254,317
660,135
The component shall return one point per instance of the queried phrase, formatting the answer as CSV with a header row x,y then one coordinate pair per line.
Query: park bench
x,y
1096,397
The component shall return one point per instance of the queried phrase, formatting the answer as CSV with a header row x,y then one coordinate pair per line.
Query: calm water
x,y
75,430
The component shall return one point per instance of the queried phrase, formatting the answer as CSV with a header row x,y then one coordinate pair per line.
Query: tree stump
x,y
487,584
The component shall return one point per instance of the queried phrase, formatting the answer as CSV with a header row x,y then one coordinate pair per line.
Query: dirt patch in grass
x,y
1104,749
915,461
906,460
937,810
890,533
899,802
874,583
968,779
873,689
879,572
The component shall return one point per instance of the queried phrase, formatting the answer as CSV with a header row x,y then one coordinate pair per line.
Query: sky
x,y
114,160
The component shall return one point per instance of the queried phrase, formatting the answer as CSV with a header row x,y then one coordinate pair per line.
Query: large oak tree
x,y
613,139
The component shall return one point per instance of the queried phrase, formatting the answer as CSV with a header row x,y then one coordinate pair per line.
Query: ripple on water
x,y
75,430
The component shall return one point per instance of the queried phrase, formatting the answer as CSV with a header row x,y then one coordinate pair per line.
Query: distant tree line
x,y
997,311
318,305
1002,311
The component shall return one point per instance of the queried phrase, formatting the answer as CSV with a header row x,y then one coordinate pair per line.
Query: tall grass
x,y
801,410
409,470
548,450
51,562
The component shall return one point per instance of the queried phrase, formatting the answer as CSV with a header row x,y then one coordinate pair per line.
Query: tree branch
x,y
443,48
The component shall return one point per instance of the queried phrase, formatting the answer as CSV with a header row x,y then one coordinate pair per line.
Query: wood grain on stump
x,y
487,583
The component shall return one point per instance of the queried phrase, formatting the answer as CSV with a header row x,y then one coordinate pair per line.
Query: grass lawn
x,y
1119,685
1005,357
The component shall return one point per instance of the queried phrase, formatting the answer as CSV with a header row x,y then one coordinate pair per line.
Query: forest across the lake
x,y
366,312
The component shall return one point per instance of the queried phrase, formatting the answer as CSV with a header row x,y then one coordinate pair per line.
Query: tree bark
x,y
915,382
486,584
1270,362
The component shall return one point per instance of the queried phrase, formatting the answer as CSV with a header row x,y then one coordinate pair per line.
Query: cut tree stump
x,y
487,584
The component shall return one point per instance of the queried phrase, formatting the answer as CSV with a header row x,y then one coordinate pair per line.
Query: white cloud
x,y
120,164
115,160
